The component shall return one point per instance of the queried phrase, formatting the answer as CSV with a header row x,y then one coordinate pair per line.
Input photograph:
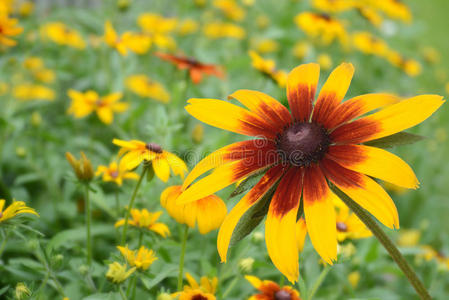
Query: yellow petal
x,y
161,169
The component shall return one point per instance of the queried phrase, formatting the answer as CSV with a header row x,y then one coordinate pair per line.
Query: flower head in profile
x,y
270,290
230,9
268,68
83,104
321,27
204,290
8,28
367,43
299,151
409,66
82,167
28,92
195,68
115,173
145,87
128,41
117,273
135,152
219,30
142,259
159,29
148,220
14,209
62,34
197,212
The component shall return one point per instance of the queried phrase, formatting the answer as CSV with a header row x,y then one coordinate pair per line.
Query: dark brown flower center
x,y
1,214
282,295
113,174
303,143
342,227
154,147
199,297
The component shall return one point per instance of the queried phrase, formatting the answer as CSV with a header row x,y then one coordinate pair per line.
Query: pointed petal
x,y
375,162
319,213
161,169
251,198
301,88
333,92
390,120
280,235
301,232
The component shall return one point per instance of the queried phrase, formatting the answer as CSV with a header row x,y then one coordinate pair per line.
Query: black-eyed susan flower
x,y
302,49
268,68
428,253
195,68
187,26
270,290
266,46
144,219
14,209
142,259
8,28
83,104
196,212
115,173
367,43
145,87
135,152
299,151
230,9
409,66
128,41
82,167
205,290
29,92
117,273
395,9
62,34
371,15
37,68
158,28
219,30
335,6
325,61
322,27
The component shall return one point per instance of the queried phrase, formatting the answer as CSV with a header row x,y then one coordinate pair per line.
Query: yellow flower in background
x,y
429,253
26,8
321,27
27,92
33,63
187,26
262,21
158,28
14,209
145,87
82,167
148,220
84,104
268,67
37,67
61,34
325,61
135,42
205,290
8,29
217,30
117,273
269,290
4,88
393,8
196,212
230,9
115,173
371,15
431,55
368,44
266,46
142,259
335,6
354,278
349,226
409,237
302,49
410,67
135,152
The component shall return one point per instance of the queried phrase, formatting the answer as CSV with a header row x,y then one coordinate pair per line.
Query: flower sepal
x,y
398,139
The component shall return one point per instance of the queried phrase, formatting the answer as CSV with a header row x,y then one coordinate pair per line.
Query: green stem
x,y
181,259
88,224
231,286
2,246
117,202
389,246
140,239
318,282
302,287
121,293
131,203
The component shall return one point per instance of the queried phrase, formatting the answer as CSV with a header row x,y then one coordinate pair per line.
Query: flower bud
x,y
21,152
257,237
83,270
82,167
117,273
164,296
36,119
22,291
246,265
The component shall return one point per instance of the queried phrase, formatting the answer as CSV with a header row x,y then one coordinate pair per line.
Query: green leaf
x,y
247,184
252,217
104,296
397,139
169,271
78,234
4,290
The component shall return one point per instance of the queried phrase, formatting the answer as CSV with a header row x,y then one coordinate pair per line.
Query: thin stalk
x,y
388,245
231,286
133,283
318,282
302,287
131,203
2,246
88,225
117,202
121,293
181,259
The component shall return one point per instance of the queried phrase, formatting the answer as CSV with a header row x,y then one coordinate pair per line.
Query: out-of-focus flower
x,y
196,69
22,291
84,104
205,290
230,9
369,44
142,259
371,15
248,2
135,42
268,68
158,28
322,27
410,67
217,30
409,238
262,21
4,88
135,152
61,34
27,92
246,264
116,173
36,119
148,220
14,209
335,6
8,29
269,290
117,273
431,55
349,225
123,5
325,61
37,67
82,167
302,49
394,9
196,212
21,151
429,253
266,46
198,133
200,3
187,26
354,278
26,8
145,87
